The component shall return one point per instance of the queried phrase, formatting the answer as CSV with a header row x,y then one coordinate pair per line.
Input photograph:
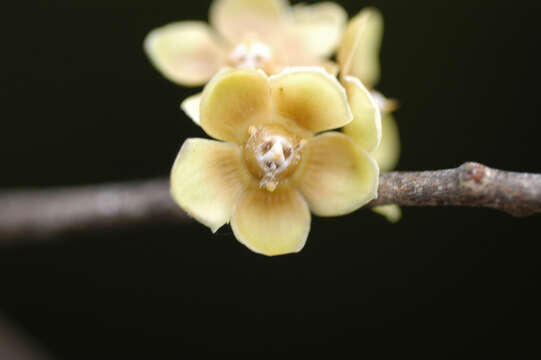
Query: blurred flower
x,y
358,52
388,151
271,167
358,58
263,34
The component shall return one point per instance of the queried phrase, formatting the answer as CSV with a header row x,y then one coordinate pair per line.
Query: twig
x,y
46,213
471,184
16,344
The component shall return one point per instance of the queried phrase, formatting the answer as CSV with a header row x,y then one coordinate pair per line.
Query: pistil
x,y
272,155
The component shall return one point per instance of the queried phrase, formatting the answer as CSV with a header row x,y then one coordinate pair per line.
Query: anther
x,y
271,185
252,130
271,154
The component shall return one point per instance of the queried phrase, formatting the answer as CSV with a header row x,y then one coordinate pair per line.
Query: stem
x,y
51,212
471,184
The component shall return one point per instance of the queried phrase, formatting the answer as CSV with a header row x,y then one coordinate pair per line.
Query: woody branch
x,y
41,214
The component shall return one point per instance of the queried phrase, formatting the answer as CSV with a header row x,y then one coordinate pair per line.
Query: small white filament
x,y
252,55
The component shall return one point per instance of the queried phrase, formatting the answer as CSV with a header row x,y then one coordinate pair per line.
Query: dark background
x,y
80,103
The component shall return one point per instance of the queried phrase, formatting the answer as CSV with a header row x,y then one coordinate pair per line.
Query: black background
x,y
80,103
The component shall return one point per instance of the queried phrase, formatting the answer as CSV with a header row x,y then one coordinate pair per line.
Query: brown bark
x,y
471,184
49,212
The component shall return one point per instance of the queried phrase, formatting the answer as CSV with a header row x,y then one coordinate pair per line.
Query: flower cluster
x,y
264,34
271,101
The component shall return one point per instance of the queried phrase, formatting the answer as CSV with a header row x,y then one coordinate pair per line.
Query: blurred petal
x,y
272,223
190,106
388,151
358,54
337,177
232,101
185,52
385,105
207,179
319,27
311,97
331,67
235,18
391,212
365,129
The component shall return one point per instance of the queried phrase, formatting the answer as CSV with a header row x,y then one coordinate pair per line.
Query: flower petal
x,y
358,54
319,27
388,151
365,129
330,66
185,52
232,101
207,179
271,223
235,18
391,212
336,176
311,97
190,106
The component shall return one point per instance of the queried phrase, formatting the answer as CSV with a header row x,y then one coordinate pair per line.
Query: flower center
x,y
272,155
252,54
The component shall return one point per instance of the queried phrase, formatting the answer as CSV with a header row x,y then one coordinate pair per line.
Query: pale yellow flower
x,y
388,151
263,34
358,57
272,166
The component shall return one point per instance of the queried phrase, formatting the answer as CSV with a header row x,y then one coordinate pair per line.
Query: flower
x,y
388,151
358,58
265,34
273,165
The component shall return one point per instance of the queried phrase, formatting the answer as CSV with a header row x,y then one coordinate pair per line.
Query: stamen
x,y
271,185
250,54
272,155
252,130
